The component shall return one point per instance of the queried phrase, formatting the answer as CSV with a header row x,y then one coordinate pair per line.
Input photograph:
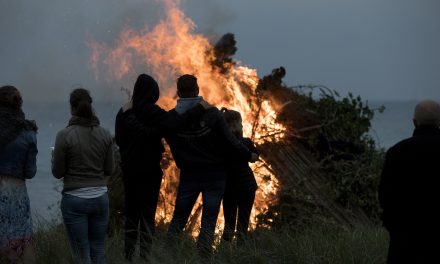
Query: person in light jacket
x,y
84,158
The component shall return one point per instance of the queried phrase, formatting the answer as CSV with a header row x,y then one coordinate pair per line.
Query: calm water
x,y
44,190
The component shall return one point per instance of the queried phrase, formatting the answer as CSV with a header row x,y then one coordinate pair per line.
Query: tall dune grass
x,y
361,245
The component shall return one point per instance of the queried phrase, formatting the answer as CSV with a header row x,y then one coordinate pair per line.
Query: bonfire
x,y
269,110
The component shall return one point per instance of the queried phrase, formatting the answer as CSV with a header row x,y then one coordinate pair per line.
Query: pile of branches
x,y
327,164
333,161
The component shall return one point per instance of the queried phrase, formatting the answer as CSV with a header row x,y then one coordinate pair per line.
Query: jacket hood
x,y
184,104
145,92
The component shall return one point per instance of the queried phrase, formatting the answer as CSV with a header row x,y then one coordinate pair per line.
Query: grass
x,y
313,245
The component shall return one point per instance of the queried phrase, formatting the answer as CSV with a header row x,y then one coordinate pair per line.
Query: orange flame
x,y
170,49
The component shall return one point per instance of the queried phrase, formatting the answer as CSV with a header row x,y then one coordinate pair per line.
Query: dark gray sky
x,y
379,49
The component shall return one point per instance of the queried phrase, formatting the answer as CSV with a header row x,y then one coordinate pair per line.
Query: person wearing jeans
x,y
200,149
84,158
86,222
212,192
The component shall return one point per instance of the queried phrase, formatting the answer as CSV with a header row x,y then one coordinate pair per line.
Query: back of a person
x,y
240,187
240,174
14,155
408,190
141,154
200,150
84,158
18,155
136,153
87,149
415,192
198,146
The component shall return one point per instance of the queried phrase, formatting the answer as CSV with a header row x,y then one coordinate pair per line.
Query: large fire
x,y
172,48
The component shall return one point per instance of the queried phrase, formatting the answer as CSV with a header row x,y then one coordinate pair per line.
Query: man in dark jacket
x,y
408,191
200,149
139,128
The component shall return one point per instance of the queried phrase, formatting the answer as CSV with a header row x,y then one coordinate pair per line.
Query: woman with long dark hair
x,y
84,158
18,152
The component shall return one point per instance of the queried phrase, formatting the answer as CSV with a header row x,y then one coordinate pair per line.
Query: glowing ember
x,y
171,49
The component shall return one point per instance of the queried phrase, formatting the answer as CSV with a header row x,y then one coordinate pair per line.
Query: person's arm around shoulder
x,y
59,156
109,161
30,167
137,129
174,120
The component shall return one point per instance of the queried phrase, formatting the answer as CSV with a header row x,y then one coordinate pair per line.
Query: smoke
x,y
212,18
378,49
43,47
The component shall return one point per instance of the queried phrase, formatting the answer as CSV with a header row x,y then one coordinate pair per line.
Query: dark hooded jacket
x,y
139,131
204,145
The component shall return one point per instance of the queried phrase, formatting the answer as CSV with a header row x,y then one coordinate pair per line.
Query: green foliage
x,y
355,181
347,118
348,154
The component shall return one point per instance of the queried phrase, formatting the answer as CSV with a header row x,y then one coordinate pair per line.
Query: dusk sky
x,y
378,49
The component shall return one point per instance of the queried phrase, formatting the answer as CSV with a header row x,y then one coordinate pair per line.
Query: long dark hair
x,y
10,97
81,103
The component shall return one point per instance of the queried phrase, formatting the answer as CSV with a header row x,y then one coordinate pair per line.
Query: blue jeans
x,y
86,224
212,194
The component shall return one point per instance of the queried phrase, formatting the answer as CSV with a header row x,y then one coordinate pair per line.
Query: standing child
x,y
240,184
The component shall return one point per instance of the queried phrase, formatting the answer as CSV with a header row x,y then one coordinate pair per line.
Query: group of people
x,y
209,149
207,145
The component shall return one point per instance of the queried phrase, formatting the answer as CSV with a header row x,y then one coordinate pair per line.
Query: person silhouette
x,y
18,158
201,149
408,190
